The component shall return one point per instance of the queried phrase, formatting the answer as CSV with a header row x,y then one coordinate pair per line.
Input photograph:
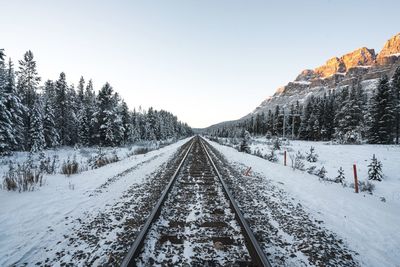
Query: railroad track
x,y
196,221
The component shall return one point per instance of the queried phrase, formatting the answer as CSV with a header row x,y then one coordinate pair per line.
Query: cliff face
x,y
338,72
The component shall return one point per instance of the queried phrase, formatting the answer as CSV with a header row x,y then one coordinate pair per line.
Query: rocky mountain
x,y
363,64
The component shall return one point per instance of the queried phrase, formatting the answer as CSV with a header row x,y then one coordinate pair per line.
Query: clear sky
x,y
204,60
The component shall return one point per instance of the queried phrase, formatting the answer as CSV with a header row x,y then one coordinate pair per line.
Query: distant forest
x,y
34,117
347,116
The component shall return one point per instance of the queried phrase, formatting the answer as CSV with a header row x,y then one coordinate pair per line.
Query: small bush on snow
x,y
22,178
321,173
271,156
141,150
311,169
297,162
70,167
101,159
365,186
312,156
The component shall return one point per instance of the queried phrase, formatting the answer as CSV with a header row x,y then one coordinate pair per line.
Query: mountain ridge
x,y
361,64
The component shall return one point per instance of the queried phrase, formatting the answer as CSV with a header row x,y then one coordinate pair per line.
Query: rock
x,y
359,57
390,51
306,75
332,66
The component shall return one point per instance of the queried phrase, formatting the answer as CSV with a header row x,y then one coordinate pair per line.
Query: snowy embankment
x,y
30,221
369,226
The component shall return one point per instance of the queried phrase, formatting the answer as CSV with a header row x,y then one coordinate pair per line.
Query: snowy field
x,y
368,225
31,222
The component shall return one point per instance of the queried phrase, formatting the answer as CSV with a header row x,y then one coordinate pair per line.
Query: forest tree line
x,y
35,117
348,116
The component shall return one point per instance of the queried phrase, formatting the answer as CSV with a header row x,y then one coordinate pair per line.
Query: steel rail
x,y
252,245
137,245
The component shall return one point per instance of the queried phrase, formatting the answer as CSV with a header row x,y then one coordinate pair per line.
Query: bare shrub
x,y
70,167
101,159
142,150
22,178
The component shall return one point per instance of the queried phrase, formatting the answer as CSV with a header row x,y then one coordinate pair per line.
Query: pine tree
x,y
375,169
72,120
27,85
105,115
89,121
49,127
244,146
6,132
382,118
396,97
61,109
80,113
126,123
36,132
340,178
15,107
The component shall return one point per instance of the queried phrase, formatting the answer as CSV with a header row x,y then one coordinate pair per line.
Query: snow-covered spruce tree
x,y
6,132
60,110
305,131
72,120
396,93
105,116
126,123
312,156
350,116
27,85
15,107
7,139
118,128
89,120
380,129
36,131
321,173
340,177
375,169
49,127
80,113
244,145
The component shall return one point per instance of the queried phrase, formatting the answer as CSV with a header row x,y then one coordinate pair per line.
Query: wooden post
x,y
355,178
247,172
284,158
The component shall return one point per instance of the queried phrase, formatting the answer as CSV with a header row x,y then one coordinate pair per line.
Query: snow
x,y
369,226
33,221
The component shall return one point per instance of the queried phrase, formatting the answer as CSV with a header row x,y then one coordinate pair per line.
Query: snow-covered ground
x,y
368,225
82,155
31,222
333,156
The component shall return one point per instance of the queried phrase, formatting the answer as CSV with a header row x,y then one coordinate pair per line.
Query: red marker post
x,y
284,158
355,178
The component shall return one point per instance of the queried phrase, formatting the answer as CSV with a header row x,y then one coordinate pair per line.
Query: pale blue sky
x,y
204,60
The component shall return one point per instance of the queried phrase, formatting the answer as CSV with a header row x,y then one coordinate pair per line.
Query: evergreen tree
x,y
244,146
61,109
15,108
126,123
375,169
105,116
28,82
340,178
6,132
89,121
396,97
382,118
36,131
49,127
